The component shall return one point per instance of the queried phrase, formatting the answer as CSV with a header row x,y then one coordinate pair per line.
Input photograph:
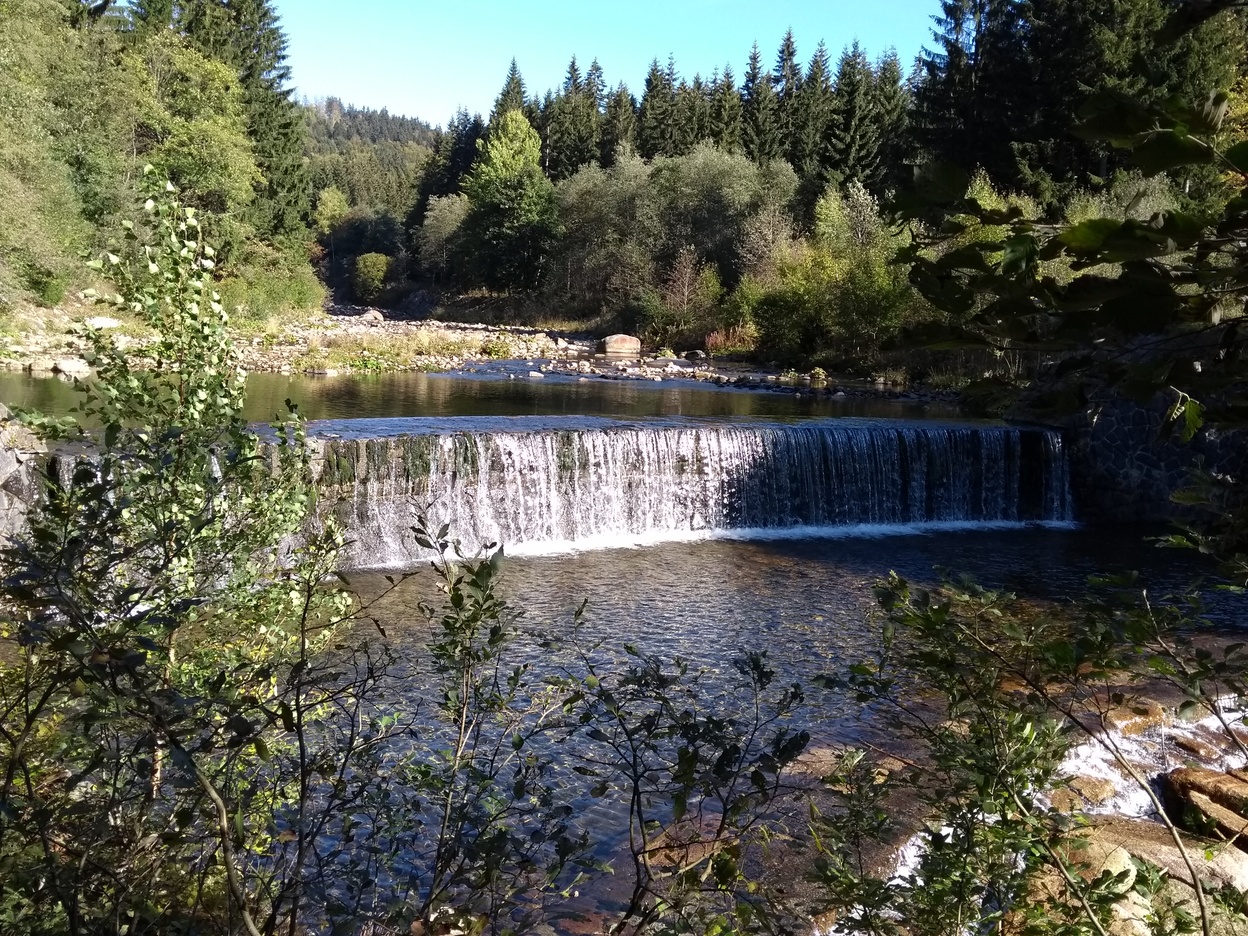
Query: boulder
x,y
1224,789
72,367
1100,856
695,356
620,346
1152,842
1128,715
1096,790
102,322
373,317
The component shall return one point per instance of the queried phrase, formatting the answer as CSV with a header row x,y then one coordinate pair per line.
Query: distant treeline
x,y
695,208
743,198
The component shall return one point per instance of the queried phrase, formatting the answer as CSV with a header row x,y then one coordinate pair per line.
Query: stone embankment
x,y
1127,463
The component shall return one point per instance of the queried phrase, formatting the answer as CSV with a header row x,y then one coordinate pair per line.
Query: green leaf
x,y
1170,149
1237,156
1089,236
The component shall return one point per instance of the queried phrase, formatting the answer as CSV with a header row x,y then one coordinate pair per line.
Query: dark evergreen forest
x,y
743,211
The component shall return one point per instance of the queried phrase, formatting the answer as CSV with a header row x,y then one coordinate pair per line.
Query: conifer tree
x,y
619,126
892,107
247,35
454,153
966,105
760,124
812,113
511,97
786,79
512,215
145,15
725,113
571,131
596,86
657,114
693,116
854,142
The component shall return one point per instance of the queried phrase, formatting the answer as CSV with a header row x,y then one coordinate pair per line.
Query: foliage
x,y
371,270
842,298
87,103
116,745
990,849
439,237
511,218
684,311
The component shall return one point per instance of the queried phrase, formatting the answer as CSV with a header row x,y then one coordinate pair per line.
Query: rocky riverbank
x,y
1192,766
358,340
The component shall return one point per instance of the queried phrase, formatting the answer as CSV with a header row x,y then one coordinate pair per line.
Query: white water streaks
x,y
556,490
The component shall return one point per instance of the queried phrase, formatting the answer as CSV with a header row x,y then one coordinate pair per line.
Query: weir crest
x,y
550,484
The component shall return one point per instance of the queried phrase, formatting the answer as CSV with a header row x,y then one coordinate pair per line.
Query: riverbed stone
x,y
1096,790
72,367
1152,842
1209,800
620,346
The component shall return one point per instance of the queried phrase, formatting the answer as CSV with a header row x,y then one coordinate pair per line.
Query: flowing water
x,y
550,485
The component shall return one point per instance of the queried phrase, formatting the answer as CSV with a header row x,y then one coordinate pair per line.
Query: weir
x,y
547,485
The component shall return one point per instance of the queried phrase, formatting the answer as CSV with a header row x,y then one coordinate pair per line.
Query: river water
x,y
698,522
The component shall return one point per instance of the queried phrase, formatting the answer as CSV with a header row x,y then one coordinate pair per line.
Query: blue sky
x,y
425,59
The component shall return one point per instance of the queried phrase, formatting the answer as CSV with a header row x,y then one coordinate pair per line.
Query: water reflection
x,y
492,392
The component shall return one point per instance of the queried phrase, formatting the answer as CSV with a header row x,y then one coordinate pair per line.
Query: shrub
x,y
371,270
47,285
843,298
686,309
269,283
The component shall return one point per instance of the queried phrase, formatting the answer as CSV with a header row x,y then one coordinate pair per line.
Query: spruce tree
x,y
892,107
760,124
725,115
596,86
247,35
145,15
619,126
512,97
854,141
786,79
812,113
512,216
656,115
572,130
967,108
693,116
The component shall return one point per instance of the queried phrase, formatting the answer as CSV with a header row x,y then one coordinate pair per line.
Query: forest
x,y
211,722
752,216
746,216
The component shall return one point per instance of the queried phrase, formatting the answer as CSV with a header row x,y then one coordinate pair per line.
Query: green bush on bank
x,y
369,279
839,299
268,283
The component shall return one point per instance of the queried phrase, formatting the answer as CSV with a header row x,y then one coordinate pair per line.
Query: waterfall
x,y
544,487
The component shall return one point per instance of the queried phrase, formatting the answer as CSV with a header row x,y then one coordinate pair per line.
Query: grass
x,y
485,308
388,352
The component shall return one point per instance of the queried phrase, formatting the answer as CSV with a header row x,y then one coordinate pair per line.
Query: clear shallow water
x,y
490,392
807,602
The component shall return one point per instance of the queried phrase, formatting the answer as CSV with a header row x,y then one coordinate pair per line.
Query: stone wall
x,y
1125,466
19,482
